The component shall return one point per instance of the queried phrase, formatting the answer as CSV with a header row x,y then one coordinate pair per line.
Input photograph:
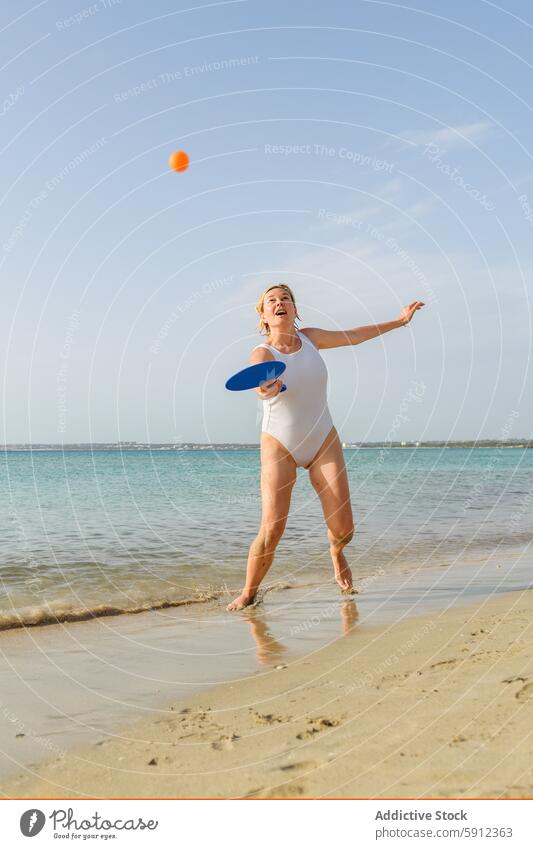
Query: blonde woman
x,y
297,430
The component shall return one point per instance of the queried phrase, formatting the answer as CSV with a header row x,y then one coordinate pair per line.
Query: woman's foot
x,y
243,600
343,573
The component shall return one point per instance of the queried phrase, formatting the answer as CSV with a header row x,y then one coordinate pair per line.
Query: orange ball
x,y
178,161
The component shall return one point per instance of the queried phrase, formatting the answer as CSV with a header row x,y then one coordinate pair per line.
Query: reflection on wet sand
x,y
349,616
269,649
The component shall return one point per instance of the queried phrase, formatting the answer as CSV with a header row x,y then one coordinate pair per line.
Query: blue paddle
x,y
249,378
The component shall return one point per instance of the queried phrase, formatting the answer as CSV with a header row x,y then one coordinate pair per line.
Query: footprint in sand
x,y
285,791
525,693
225,742
269,718
299,765
192,725
459,738
451,662
315,726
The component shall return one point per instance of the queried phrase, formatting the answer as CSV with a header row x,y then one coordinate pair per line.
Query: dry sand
x,y
435,706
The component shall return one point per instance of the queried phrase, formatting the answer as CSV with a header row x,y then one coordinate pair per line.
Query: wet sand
x,y
329,697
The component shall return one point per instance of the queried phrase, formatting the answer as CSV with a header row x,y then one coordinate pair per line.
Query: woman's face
x,y
278,309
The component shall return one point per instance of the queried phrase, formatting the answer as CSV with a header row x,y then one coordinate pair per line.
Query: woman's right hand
x,y
269,389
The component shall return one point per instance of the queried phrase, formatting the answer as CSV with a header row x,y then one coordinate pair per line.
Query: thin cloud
x,y
390,188
462,135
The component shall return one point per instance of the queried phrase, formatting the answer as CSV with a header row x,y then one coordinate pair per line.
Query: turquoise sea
x,y
88,533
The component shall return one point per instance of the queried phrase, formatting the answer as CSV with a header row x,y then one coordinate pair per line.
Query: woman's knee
x,y
341,536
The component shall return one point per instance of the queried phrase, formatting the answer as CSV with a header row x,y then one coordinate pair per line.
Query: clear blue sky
x,y
367,153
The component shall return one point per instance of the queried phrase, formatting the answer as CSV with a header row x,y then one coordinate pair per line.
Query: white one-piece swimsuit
x,y
299,418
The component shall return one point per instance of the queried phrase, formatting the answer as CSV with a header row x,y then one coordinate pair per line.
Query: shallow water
x,y
85,533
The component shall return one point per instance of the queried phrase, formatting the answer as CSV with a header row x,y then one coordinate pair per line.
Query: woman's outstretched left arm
x,y
337,338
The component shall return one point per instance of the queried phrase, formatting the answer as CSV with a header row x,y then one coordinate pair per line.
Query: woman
x,y
297,431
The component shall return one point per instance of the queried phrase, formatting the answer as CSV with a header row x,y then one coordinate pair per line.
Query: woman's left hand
x,y
408,312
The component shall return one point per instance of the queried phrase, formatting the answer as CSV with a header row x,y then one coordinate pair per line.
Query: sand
x,y
439,705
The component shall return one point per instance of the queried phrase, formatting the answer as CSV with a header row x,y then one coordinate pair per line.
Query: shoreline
x,y
282,578
108,683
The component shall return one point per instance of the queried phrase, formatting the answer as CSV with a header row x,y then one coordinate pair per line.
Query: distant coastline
x,y
236,446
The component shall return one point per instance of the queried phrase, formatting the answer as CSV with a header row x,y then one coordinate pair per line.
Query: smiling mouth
x,y
281,312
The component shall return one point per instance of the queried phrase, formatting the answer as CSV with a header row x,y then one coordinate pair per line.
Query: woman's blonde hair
x,y
260,305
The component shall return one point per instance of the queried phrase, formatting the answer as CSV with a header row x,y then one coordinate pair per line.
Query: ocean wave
x,y
46,615
29,617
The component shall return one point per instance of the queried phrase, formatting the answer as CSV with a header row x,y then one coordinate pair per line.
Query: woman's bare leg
x,y
327,472
278,474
